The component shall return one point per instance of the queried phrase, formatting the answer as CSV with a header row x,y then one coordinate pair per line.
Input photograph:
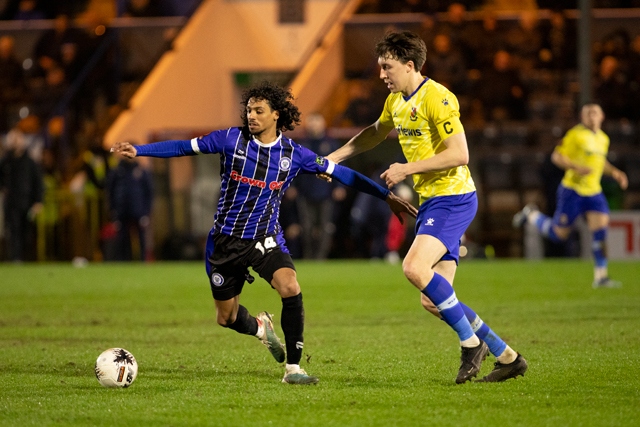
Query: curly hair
x,y
279,99
403,46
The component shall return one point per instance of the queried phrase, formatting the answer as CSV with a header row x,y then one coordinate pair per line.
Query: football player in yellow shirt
x,y
583,156
426,117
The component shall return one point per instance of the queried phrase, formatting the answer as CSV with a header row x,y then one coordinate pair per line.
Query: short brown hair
x,y
403,46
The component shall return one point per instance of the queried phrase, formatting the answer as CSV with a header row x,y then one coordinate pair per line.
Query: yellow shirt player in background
x,y
583,156
426,117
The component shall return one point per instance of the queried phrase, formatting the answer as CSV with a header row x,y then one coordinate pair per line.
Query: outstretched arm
x,y
162,149
361,183
368,138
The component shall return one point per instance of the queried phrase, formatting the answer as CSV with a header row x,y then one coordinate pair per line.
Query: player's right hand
x,y
125,149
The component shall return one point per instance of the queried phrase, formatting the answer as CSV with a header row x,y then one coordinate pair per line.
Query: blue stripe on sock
x,y
441,293
599,237
544,224
484,332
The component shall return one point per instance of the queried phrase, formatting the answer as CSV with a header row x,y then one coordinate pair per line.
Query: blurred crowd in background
x,y
516,80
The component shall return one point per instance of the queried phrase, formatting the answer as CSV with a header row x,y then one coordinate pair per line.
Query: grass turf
x,y
381,359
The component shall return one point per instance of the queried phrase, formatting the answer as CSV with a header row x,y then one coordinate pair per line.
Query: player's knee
x,y
290,288
561,233
224,319
413,271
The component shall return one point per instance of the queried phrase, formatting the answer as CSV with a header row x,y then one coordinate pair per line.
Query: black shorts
x,y
229,258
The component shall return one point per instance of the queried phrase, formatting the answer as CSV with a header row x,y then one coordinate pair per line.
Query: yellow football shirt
x,y
586,148
423,121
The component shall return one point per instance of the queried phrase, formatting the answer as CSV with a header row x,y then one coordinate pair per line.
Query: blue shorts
x,y
446,218
570,205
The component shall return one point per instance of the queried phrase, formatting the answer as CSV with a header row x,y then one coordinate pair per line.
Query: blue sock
x,y
484,332
441,293
544,224
598,247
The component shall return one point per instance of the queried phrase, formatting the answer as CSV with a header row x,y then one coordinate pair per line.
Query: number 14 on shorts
x,y
269,243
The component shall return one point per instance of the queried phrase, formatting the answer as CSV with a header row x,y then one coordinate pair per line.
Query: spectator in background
x,y
459,30
28,10
290,222
558,43
612,89
502,92
104,78
47,94
13,87
62,46
129,191
404,6
634,73
485,40
360,110
144,8
370,224
399,235
46,8
446,66
634,59
525,40
30,128
316,198
369,6
21,183
616,44
52,211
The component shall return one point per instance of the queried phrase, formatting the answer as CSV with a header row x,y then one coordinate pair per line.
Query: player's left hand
x,y
396,173
621,178
399,205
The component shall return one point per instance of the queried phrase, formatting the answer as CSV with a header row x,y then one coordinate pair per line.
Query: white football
x,y
116,367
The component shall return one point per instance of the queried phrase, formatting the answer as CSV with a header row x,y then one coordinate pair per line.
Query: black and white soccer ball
x,y
116,367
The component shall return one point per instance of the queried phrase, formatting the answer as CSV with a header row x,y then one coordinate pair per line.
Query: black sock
x,y
292,323
245,323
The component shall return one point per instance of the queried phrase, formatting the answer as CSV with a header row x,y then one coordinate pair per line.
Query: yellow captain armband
x,y
449,127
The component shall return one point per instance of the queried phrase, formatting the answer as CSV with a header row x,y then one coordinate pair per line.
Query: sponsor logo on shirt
x,y
273,185
408,132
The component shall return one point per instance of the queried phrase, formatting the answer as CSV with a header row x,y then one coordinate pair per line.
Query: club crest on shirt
x,y
285,163
445,102
414,114
320,160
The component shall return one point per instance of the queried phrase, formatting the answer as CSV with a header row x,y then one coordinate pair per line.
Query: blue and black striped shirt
x,y
255,176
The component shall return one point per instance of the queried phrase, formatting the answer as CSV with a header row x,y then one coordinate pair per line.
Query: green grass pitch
x,y
381,359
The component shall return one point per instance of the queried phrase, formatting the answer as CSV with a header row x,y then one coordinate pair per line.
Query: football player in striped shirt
x,y
258,164
583,156
426,117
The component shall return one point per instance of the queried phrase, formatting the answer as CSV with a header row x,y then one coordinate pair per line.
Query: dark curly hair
x,y
279,99
403,46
